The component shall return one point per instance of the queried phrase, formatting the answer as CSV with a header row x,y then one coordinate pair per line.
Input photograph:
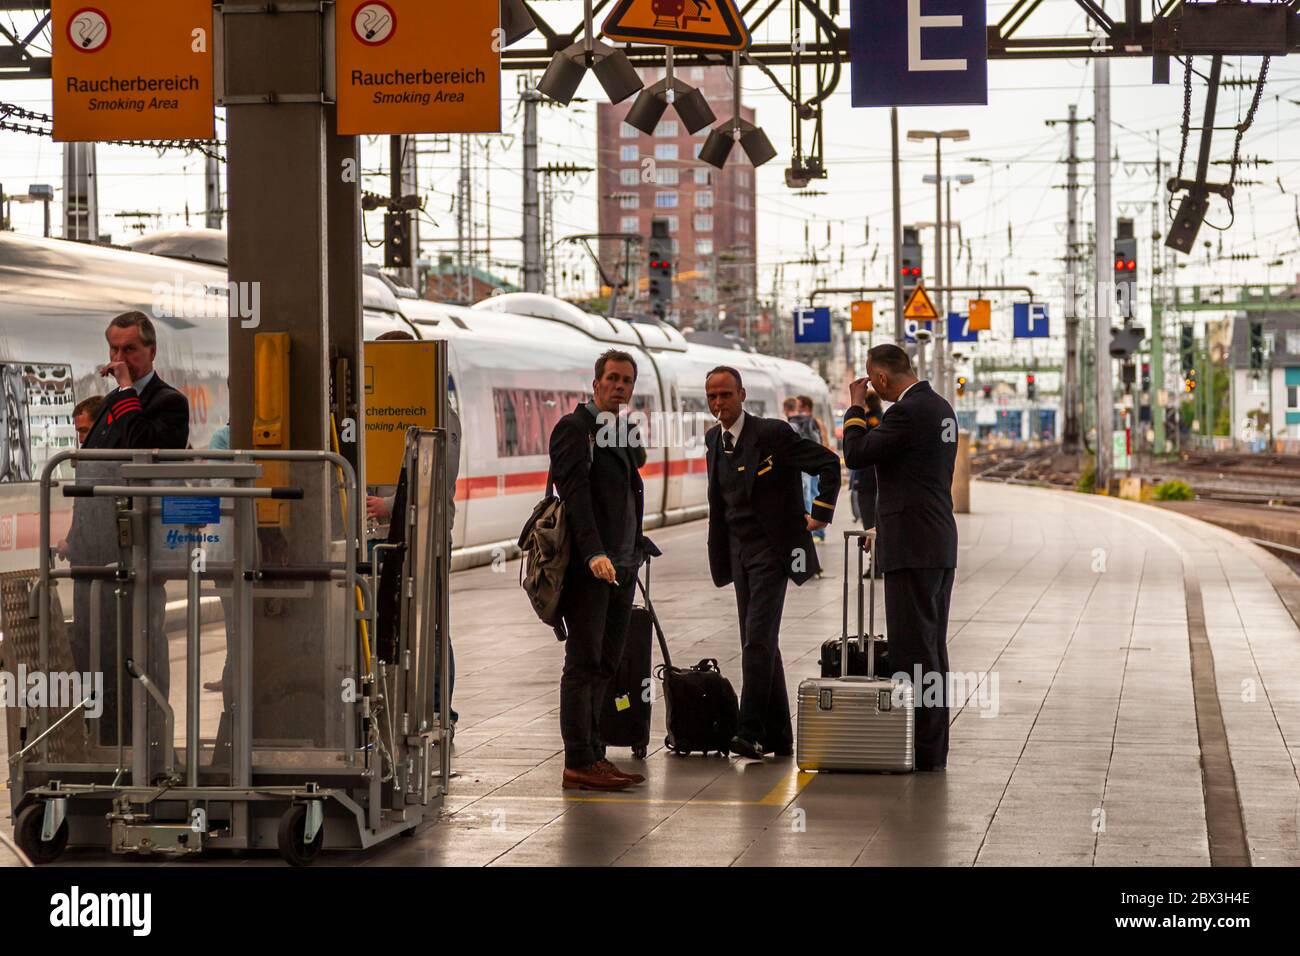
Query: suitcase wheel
x,y
639,753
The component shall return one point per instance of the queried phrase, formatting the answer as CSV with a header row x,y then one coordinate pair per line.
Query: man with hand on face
x,y
913,449
594,463
760,538
142,412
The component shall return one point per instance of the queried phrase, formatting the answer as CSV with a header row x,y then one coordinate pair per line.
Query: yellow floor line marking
x,y
778,796
787,789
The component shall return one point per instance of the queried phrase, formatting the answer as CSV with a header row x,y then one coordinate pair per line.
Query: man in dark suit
x,y
594,463
913,450
760,538
142,412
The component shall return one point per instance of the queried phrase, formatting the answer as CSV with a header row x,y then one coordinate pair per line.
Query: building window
x,y
667,177
665,151
742,179
630,224
629,154
1291,397
698,147
1293,341
628,131
742,225
704,199
1258,383
629,177
666,130
665,200
703,223
703,177
742,200
704,247
629,201
672,227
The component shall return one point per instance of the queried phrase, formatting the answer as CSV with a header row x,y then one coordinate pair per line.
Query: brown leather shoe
x,y
592,777
608,767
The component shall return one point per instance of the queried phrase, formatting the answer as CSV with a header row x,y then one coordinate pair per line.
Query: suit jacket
x,y
774,457
157,418
914,449
594,486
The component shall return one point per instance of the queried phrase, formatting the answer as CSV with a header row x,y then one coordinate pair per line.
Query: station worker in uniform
x,y
913,450
143,411
760,537
600,484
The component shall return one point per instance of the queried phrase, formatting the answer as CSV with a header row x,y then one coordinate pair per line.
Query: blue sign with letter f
x,y
919,52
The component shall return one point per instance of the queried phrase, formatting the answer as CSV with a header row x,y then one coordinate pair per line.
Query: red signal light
x,y
1131,265
1119,265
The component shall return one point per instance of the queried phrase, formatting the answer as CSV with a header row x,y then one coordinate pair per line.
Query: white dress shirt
x,y
734,430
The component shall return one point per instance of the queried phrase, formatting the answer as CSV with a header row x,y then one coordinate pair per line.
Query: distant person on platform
x,y
143,411
759,538
84,415
913,449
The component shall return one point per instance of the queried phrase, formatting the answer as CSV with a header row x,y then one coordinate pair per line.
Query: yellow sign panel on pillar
x,y
920,307
124,69
398,392
710,24
863,315
981,315
412,66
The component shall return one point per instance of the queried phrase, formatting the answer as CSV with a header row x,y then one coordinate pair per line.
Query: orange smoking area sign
x,y
411,66
130,70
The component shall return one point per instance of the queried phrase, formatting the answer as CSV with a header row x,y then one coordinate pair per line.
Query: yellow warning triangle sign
x,y
707,24
920,307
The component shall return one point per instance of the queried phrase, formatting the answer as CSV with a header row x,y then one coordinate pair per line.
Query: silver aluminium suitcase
x,y
853,722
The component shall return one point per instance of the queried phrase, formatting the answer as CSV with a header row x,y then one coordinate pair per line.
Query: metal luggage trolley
x,y
319,743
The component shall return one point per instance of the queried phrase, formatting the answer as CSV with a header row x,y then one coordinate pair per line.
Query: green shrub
x,y
1174,491
1087,482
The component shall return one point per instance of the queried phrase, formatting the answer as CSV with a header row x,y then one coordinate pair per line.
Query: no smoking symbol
x,y
89,30
374,23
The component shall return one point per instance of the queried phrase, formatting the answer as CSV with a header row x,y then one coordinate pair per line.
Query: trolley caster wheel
x,y
27,833
639,753
295,850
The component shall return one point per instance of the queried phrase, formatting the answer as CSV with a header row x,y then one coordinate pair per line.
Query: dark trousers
x,y
760,580
596,615
916,610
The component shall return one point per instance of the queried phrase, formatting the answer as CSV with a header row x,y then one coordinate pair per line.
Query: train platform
x,y
1129,700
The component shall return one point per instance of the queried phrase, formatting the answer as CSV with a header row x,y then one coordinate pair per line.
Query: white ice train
x,y
517,363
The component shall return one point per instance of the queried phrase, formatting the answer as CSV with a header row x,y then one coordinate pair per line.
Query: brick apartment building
x,y
710,212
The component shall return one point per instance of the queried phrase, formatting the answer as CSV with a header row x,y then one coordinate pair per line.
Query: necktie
x,y
728,443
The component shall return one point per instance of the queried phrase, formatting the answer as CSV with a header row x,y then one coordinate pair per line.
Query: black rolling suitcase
x,y
701,710
625,718
830,658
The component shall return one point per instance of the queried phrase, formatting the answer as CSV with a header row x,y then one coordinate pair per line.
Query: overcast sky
x,y
1012,216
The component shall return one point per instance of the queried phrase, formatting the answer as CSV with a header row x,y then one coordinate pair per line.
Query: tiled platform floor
x,y
1080,747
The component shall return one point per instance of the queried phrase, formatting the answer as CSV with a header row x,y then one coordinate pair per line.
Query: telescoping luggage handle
x,y
870,538
654,618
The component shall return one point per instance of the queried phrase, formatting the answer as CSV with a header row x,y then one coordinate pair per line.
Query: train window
x,y
36,403
525,418
756,407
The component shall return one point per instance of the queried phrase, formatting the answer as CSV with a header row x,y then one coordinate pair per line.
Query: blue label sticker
x,y
1029,320
919,52
186,510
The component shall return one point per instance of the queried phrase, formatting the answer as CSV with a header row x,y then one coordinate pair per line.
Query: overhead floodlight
x,y
752,140
690,104
516,21
613,69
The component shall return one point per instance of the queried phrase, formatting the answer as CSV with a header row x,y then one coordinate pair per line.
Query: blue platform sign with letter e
x,y
959,329
186,510
812,326
1029,320
919,53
